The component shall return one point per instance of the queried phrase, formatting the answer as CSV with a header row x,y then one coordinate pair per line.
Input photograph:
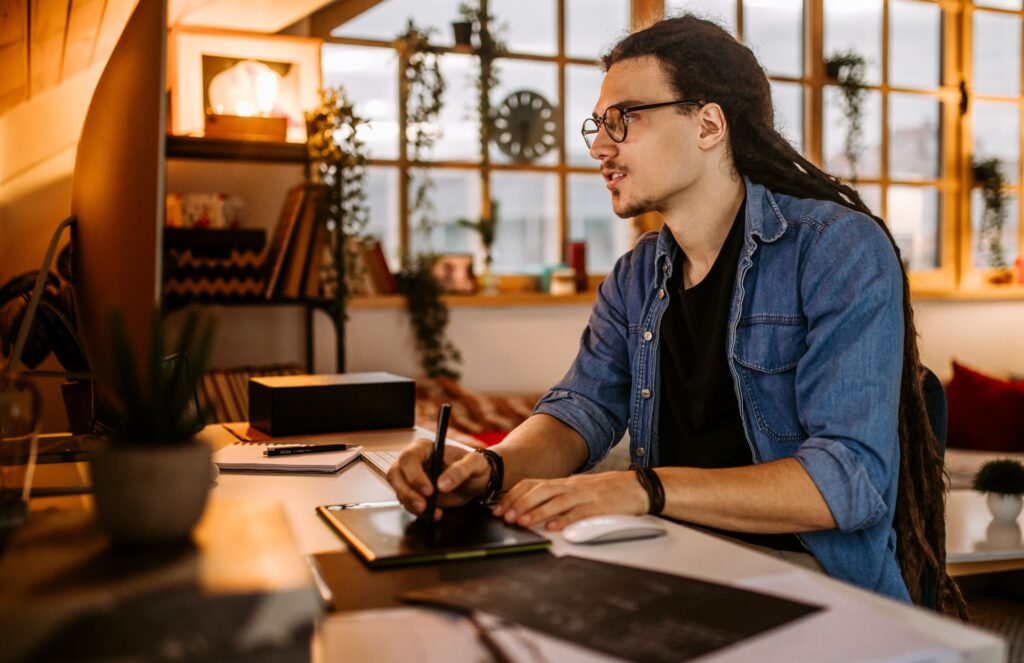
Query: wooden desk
x,y
976,544
683,551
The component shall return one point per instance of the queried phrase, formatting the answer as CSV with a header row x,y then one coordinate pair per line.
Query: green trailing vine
x,y
423,89
989,174
849,68
491,46
337,160
429,317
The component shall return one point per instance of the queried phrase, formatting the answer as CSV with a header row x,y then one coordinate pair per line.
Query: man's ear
x,y
713,127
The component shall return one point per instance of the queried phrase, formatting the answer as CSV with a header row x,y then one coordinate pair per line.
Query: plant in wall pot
x,y
989,174
1003,480
848,68
152,476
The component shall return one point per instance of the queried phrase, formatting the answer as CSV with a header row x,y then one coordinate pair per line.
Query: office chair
x,y
935,405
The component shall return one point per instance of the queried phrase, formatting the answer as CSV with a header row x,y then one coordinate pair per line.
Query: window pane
x,y
456,195
914,137
997,134
915,36
382,202
528,26
538,77
788,100
593,26
774,30
835,128
856,26
582,87
982,257
914,222
387,19
370,77
460,138
591,220
722,12
1001,4
871,195
527,235
996,54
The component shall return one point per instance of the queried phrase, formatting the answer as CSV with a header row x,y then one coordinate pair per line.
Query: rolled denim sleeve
x,y
592,398
848,380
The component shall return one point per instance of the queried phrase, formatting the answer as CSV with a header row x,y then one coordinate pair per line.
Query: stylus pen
x,y
436,463
303,449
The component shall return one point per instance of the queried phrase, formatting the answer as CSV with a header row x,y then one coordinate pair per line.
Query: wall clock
x,y
525,126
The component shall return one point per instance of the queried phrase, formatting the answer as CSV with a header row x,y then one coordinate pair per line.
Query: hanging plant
x,y
849,68
989,174
422,89
491,46
337,160
428,314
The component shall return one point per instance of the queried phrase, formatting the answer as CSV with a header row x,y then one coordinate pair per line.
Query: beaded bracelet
x,y
497,478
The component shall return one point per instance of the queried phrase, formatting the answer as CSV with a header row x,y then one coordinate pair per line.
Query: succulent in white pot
x,y
1003,481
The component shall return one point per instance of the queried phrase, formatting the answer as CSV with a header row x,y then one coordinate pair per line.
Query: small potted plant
x,y
1003,480
152,476
487,228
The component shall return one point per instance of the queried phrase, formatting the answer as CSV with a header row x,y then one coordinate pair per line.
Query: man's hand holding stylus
x,y
464,477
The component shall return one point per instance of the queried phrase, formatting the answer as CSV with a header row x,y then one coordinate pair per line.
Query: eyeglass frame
x,y
600,122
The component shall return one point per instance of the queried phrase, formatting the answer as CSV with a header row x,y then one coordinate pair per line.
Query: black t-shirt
x,y
699,418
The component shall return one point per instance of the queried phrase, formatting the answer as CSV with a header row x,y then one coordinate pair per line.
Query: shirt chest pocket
x,y
767,352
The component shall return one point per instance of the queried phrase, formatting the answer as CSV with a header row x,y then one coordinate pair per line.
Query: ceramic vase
x,y
1004,508
151,494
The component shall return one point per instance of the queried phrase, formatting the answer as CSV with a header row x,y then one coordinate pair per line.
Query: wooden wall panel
x,y
83,30
13,52
46,41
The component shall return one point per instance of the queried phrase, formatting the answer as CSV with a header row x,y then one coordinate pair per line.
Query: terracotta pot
x,y
151,494
1004,508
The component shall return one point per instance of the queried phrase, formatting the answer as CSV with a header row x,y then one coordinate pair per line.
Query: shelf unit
x,y
197,147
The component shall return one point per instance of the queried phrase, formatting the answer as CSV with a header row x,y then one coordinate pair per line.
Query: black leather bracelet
x,y
651,483
497,479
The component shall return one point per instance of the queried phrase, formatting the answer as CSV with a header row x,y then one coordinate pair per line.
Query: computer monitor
x,y
117,194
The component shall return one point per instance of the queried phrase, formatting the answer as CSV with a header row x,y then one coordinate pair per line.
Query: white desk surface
x,y
683,551
973,536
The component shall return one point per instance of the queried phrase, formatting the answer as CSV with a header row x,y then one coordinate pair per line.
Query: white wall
x,y
986,335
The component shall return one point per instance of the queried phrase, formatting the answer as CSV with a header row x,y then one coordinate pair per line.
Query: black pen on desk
x,y
291,450
436,464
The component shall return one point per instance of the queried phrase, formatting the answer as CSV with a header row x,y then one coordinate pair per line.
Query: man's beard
x,y
634,208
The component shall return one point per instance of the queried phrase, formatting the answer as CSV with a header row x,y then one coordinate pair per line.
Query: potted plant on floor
x,y
1003,480
152,476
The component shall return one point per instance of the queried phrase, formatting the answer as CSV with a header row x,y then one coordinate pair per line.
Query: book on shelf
x,y
382,280
298,253
278,250
315,260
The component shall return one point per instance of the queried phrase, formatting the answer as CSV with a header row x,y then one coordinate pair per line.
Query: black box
x,y
301,404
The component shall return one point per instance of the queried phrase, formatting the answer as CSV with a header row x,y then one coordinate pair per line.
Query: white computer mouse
x,y
605,529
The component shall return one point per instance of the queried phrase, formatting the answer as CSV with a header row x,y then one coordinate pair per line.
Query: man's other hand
x,y
559,502
464,477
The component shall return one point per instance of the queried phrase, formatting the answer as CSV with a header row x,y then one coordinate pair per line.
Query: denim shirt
x,y
815,348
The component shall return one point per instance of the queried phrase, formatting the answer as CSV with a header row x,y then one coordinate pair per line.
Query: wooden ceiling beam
x,y
46,42
83,31
14,54
325,19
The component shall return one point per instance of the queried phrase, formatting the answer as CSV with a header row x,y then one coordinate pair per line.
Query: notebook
x,y
390,535
249,456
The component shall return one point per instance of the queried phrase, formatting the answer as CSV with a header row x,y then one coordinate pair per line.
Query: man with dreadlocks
x,y
760,348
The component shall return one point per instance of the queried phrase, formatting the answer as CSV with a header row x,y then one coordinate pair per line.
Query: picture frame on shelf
x,y
244,75
454,272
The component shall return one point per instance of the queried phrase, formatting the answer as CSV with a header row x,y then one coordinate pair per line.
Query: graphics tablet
x,y
390,535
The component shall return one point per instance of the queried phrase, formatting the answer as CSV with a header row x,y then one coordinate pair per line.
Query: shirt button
x,y
661,293
645,393
664,267
648,335
640,451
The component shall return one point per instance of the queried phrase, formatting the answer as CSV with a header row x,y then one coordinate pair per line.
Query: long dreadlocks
x,y
704,62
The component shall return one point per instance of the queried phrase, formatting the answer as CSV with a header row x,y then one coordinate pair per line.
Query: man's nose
x,y
603,146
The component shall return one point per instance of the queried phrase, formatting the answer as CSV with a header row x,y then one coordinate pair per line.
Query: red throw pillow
x,y
985,413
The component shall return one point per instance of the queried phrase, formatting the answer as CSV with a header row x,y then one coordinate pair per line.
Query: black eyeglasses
x,y
614,120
